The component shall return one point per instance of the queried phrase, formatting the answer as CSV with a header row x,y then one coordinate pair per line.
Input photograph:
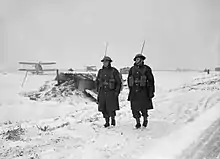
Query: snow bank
x,y
74,128
171,147
193,107
68,85
14,107
202,82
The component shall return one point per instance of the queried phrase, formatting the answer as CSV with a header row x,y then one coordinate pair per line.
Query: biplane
x,y
38,69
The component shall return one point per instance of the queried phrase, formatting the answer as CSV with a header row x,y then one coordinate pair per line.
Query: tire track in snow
x,y
208,144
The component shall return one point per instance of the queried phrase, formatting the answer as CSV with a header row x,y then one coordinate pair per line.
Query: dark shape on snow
x,y
91,68
124,70
217,69
70,69
82,80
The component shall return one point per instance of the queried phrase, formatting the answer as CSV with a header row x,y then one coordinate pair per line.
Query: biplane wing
x,y
28,63
34,70
33,63
30,70
47,63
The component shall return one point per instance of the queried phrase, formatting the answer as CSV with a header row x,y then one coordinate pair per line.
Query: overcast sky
x,y
179,33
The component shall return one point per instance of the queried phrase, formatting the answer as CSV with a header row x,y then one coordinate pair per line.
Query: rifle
x,y
106,47
142,48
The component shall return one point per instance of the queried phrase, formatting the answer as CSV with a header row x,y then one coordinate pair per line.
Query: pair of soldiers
x,y
141,90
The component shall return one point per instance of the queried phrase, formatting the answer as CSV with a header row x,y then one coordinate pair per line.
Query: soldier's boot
x,y
145,121
138,123
106,123
113,121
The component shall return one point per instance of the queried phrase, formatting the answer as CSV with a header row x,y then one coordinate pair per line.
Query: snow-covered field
x,y
186,104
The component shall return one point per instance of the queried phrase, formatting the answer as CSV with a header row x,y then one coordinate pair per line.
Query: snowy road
x,y
208,145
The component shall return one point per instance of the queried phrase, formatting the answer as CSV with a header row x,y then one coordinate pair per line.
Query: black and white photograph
x,y
109,79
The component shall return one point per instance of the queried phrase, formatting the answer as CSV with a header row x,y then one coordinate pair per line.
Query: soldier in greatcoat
x,y
108,86
141,89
